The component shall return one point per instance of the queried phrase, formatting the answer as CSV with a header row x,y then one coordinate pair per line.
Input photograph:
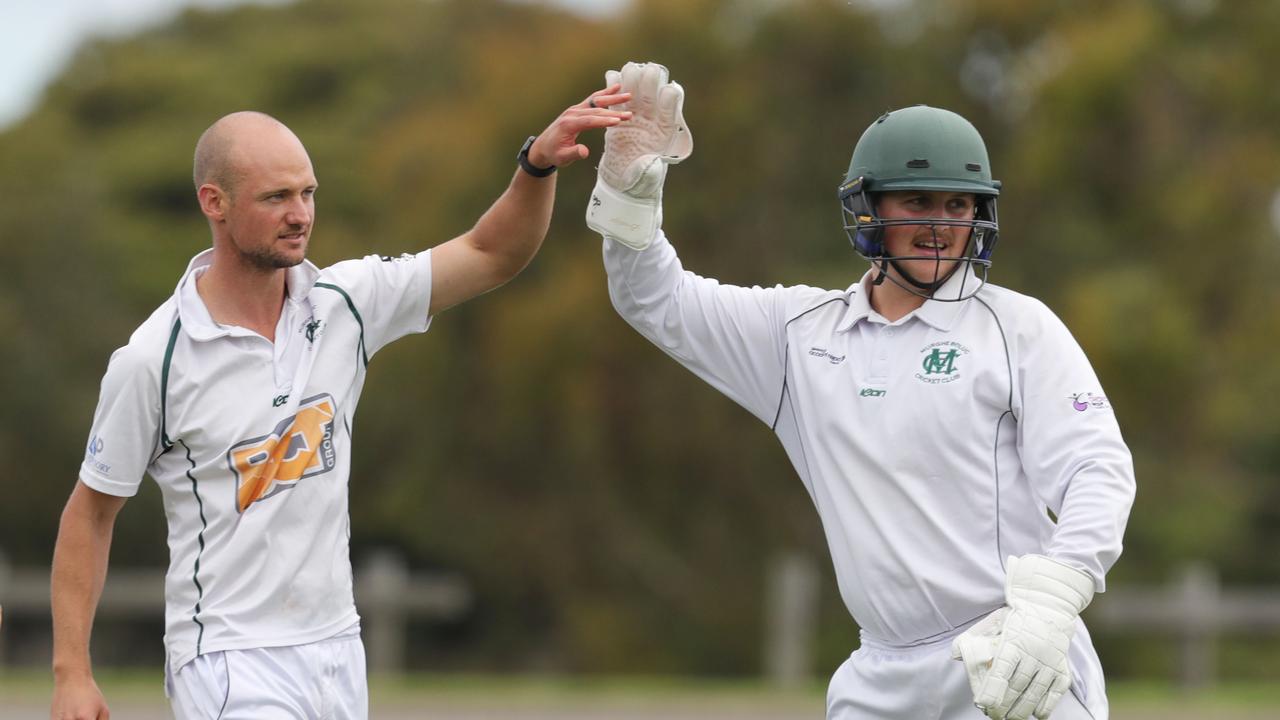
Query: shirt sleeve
x,y
125,436
1071,447
390,295
731,337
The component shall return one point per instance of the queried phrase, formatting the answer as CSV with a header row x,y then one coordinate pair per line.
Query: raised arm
x,y
732,337
510,232
79,572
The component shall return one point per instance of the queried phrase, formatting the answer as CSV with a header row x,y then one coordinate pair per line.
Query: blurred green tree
x,y
613,513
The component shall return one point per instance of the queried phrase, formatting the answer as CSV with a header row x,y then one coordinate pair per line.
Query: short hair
x,y
213,157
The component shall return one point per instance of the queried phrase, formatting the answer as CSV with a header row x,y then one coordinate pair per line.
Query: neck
x,y
237,293
891,300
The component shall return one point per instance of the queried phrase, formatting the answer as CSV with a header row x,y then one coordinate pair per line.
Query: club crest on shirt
x,y
941,362
299,447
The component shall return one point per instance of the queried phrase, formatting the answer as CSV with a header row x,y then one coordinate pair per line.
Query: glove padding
x,y
976,647
627,202
1028,671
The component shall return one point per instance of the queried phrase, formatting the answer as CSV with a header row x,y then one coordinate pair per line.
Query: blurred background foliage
x,y
612,513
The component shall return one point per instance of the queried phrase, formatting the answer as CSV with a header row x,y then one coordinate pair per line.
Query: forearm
x,y
79,572
1095,510
642,283
511,231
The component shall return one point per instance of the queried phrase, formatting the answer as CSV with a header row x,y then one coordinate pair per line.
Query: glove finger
x,y
670,109
1060,685
991,692
1026,704
977,653
629,77
646,79
1010,673
611,78
1024,673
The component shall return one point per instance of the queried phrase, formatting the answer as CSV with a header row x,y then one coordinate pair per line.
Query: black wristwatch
x,y
522,157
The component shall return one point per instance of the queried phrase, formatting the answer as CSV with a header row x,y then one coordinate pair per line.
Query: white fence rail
x,y
1195,610
387,594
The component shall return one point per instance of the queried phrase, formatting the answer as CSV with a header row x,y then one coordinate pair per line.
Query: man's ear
x,y
213,201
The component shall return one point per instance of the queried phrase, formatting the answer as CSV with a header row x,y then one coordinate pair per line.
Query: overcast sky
x,y
37,37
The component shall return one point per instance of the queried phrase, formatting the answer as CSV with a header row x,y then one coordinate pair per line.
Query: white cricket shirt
x,y
933,447
250,443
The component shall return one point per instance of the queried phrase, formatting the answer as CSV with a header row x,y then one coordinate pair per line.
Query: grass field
x,y
138,696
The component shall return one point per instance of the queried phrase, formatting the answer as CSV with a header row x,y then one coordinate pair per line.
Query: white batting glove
x,y
1029,673
626,204
976,647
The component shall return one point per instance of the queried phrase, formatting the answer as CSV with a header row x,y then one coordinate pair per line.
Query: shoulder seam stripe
x,y
164,383
359,320
828,301
1008,360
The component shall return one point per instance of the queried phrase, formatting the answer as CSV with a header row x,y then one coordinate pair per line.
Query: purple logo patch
x,y
1085,400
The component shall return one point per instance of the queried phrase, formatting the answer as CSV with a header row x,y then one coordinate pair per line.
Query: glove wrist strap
x,y
630,220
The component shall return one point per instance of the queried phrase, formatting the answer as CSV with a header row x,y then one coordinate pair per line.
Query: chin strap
x,y
882,274
927,287
930,287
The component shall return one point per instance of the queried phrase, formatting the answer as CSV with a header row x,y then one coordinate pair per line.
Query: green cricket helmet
x,y
920,148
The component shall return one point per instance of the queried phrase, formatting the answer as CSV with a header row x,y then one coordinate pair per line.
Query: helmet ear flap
x,y
860,221
986,237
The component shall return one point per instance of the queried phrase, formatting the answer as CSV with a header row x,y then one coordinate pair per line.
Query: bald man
x,y
237,397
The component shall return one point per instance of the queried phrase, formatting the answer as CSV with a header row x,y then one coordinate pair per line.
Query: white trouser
x,y
318,681
879,682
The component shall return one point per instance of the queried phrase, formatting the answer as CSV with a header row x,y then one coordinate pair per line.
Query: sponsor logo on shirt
x,y
872,392
822,353
1085,400
300,446
941,362
396,258
91,455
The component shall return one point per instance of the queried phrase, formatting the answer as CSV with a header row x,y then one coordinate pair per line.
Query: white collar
x,y
195,316
937,313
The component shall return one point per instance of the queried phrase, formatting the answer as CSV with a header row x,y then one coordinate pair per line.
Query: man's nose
x,y
299,213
